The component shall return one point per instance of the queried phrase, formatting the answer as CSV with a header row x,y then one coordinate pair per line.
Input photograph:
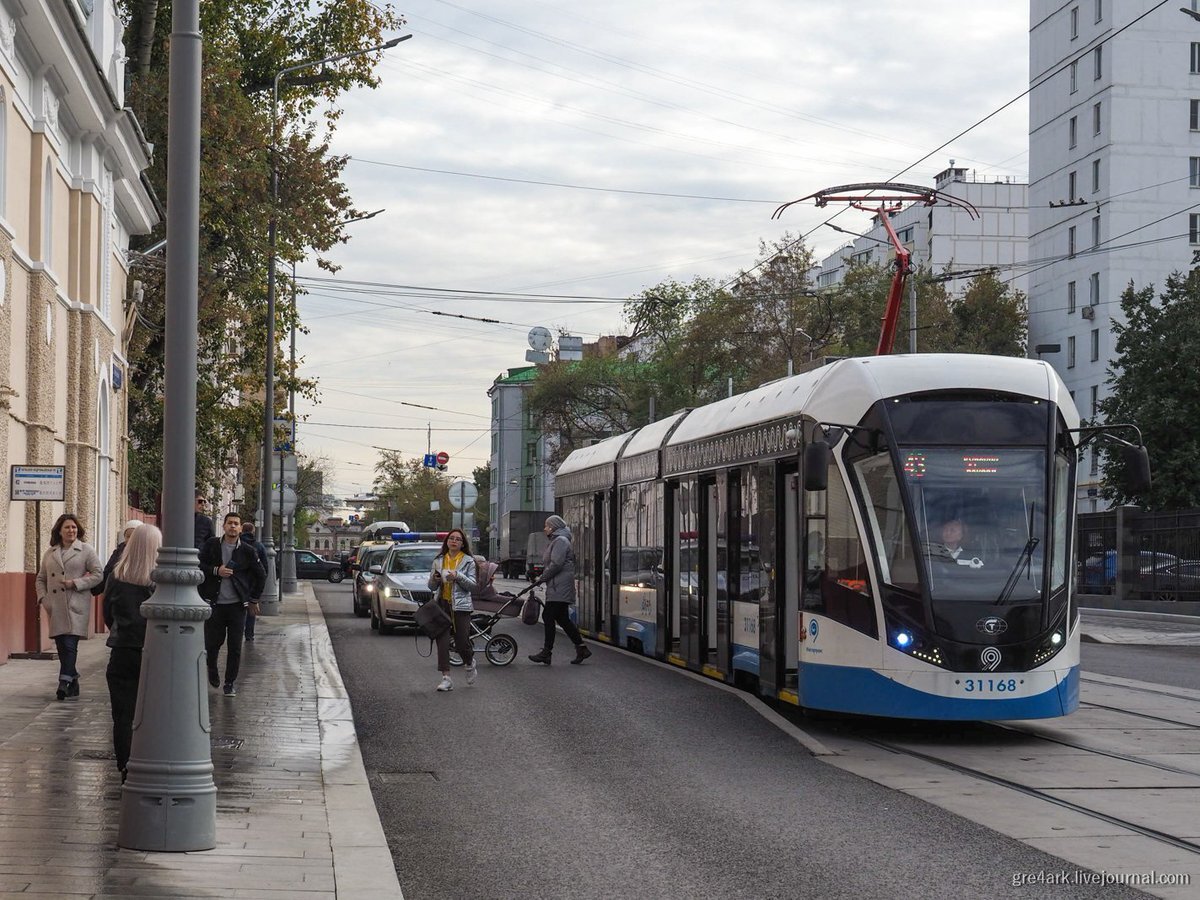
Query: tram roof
x,y
650,437
598,454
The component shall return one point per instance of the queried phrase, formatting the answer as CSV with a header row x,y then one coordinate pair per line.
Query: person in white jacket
x,y
69,570
452,578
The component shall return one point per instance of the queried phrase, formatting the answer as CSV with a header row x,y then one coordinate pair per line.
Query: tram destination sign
x,y
35,483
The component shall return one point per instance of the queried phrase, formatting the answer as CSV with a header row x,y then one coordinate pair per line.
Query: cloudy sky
x,y
531,157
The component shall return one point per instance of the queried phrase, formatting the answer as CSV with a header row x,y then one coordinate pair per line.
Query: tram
x,y
887,536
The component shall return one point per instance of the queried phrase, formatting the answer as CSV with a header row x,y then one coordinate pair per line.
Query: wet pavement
x,y
295,816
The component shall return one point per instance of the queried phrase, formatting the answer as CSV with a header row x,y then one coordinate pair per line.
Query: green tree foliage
x,y
406,488
1155,385
990,318
245,43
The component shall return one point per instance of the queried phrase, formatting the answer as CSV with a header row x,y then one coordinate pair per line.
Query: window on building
x,y
1070,297
1071,352
1095,118
1097,63
1072,132
1095,176
1095,344
531,453
1071,241
1074,22
1074,71
1095,231
529,489
3,159
1194,171
1195,57
48,214
1194,116
1099,10
1095,463
1095,400
1194,229
1071,185
1094,289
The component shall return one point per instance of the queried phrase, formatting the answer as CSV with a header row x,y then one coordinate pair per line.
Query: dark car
x,y
309,565
364,581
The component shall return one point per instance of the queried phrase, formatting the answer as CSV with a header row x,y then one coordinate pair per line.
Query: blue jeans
x,y
68,651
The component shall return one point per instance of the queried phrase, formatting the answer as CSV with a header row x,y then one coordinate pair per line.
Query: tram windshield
x,y
980,519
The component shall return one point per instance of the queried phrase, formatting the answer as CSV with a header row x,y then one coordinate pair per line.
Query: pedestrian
x,y
260,551
115,557
452,576
559,578
233,576
69,569
204,522
129,586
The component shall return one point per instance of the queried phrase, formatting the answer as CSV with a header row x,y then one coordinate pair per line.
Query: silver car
x,y
401,584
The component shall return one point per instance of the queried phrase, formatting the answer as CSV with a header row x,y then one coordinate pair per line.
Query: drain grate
x,y
227,743
406,777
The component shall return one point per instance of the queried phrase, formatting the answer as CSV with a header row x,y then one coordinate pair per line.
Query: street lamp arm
x,y
329,59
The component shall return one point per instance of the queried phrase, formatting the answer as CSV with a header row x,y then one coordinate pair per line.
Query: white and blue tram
x,y
797,539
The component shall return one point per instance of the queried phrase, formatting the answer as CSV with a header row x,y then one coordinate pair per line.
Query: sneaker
x,y
231,690
445,684
214,678
472,671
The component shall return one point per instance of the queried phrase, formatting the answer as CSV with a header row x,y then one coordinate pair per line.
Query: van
x,y
535,552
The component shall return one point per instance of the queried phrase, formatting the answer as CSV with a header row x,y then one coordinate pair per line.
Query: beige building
x,y
71,194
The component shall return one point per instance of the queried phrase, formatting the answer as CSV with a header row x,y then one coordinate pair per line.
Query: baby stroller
x,y
500,649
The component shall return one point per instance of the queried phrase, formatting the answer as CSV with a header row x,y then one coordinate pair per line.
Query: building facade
x,y
520,475
71,194
945,238
1114,167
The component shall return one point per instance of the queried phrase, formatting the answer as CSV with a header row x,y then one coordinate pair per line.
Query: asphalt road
x,y
621,779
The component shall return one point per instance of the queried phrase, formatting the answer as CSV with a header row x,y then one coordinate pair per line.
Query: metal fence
x,y
1139,555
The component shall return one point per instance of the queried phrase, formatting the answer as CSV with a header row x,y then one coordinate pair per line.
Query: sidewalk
x,y
295,816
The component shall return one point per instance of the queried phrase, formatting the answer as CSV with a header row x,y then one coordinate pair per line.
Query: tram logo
x,y
992,625
989,659
813,628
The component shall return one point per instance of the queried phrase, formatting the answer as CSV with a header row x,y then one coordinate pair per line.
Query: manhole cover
x,y
227,743
406,777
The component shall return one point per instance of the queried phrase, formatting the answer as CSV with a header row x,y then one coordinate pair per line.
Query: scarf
x,y
450,562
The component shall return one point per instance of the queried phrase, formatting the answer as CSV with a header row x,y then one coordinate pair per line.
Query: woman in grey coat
x,y
559,578
70,568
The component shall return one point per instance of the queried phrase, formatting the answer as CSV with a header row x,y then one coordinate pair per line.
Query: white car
x,y
401,584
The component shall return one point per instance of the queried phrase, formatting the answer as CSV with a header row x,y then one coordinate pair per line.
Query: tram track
x,y
1141,689
1110,754
1038,794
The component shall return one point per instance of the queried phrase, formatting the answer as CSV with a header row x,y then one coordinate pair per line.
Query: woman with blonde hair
x,y
130,585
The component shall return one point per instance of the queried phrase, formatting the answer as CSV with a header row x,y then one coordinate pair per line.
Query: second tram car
x,y
887,536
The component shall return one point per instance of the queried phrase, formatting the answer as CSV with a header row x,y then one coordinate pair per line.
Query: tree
x,y
990,318
245,43
482,476
406,488
1155,386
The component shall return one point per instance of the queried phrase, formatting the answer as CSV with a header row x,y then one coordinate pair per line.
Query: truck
x,y
521,539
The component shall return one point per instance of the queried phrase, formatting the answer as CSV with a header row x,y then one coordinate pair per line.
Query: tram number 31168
x,y
989,685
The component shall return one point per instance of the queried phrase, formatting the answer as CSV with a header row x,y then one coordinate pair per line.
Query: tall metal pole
x,y
169,801
269,602
287,577
912,315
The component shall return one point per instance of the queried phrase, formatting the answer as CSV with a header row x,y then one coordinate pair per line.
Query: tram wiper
x,y
1015,576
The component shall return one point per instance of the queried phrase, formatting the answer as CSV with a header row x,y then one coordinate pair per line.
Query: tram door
x,y
694,557
788,585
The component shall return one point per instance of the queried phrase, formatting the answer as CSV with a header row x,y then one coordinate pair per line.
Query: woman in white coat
x,y
70,568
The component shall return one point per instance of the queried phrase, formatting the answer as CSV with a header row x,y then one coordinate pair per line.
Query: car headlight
x,y
387,592
368,587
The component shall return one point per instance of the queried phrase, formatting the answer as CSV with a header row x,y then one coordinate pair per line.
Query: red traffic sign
x,y
443,458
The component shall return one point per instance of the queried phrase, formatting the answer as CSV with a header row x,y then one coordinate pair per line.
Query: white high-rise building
x,y
1114,166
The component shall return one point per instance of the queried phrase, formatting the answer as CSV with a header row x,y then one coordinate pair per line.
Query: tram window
x,y
1061,534
845,583
885,518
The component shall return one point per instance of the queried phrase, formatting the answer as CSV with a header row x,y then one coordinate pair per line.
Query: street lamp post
x,y
169,800
269,602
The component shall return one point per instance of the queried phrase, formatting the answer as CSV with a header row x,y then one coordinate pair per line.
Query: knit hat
x,y
556,522
132,524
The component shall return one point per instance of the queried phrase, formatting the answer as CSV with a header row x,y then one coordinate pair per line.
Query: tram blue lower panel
x,y
869,693
745,658
638,630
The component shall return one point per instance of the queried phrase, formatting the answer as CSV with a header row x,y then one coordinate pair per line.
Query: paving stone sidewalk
x,y
295,816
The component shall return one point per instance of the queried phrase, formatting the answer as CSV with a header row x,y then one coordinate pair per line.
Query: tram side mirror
x,y
816,466
1136,467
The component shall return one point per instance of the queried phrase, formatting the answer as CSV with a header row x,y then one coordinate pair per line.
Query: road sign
x,y
287,441
463,494
290,469
288,506
37,482
442,458
430,461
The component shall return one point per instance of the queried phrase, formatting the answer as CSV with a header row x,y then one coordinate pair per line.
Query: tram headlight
x,y
1049,647
903,639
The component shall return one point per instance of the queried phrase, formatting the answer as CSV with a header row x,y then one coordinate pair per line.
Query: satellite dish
x,y
540,338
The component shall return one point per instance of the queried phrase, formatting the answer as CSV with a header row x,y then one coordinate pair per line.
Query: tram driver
x,y
954,540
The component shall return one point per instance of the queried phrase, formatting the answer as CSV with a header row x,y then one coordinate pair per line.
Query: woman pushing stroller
x,y
453,579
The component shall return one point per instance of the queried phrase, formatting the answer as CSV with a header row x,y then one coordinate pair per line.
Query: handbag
x,y
530,610
432,618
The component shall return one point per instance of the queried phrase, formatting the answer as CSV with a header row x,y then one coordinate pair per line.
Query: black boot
x,y
543,656
61,693
581,653
73,688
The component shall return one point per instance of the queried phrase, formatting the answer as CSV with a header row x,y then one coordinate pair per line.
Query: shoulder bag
x,y
432,618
